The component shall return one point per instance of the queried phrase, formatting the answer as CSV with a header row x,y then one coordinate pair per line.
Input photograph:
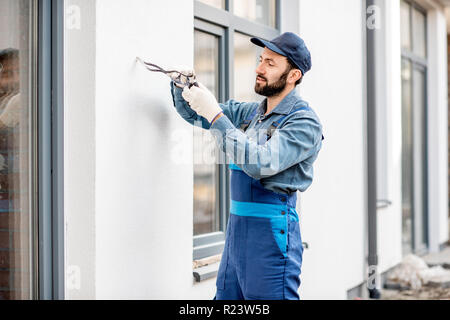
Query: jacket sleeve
x,y
297,140
235,111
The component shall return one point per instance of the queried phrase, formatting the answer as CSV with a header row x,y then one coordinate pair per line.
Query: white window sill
x,y
206,272
206,268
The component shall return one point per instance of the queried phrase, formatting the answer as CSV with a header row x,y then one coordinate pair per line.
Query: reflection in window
x,y
206,210
15,157
246,59
261,11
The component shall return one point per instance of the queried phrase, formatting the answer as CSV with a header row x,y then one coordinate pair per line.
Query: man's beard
x,y
274,89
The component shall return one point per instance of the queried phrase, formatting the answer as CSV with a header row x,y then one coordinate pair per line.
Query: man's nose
x,y
260,69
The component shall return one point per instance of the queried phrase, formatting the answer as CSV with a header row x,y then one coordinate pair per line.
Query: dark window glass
x,y
261,11
206,174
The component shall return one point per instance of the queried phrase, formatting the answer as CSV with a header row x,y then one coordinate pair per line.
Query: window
x,y
225,62
414,130
405,26
209,181
261,11
17,149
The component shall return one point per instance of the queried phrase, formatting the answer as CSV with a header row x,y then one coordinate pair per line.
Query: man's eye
x,y
270,64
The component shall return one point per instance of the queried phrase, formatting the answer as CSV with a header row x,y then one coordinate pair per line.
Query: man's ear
x,y
297,75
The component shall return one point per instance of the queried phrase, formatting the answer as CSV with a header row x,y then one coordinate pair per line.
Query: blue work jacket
x,y
282,161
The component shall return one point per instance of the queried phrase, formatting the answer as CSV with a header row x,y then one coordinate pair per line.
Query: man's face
x,y
271,74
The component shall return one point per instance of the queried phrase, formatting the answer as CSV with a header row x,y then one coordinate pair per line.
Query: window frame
x,y
49,242
212,19
210,244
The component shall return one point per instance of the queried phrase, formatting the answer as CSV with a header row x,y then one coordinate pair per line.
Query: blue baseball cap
x,y
291,46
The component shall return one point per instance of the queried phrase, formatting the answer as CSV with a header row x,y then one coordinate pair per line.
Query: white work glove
x,y
183,70
202,101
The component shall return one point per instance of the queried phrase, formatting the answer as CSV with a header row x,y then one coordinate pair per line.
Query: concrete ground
x,y
441,258
425,293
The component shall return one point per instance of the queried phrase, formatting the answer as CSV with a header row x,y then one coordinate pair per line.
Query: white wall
x,y
333,209
133,239
79,148
143,199
389,107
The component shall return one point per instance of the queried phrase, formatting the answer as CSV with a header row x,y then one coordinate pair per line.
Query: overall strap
x,y
246,123
248,120
276,123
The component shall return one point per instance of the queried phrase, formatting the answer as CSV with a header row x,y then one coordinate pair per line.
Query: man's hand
x,y
202,101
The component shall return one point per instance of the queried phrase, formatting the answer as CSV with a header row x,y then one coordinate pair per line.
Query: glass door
x,y
414,128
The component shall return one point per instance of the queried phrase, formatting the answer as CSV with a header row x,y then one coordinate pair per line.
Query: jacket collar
x,y
284,107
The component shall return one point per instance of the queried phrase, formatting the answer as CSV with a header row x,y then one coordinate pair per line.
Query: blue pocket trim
x,y
232,166
294,215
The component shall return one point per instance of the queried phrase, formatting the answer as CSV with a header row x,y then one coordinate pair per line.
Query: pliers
x,y
183,80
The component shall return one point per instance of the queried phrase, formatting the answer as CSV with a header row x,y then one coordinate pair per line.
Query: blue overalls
x,y
263,250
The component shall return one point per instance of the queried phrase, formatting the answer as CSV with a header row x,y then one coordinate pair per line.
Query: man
x,y
263,249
